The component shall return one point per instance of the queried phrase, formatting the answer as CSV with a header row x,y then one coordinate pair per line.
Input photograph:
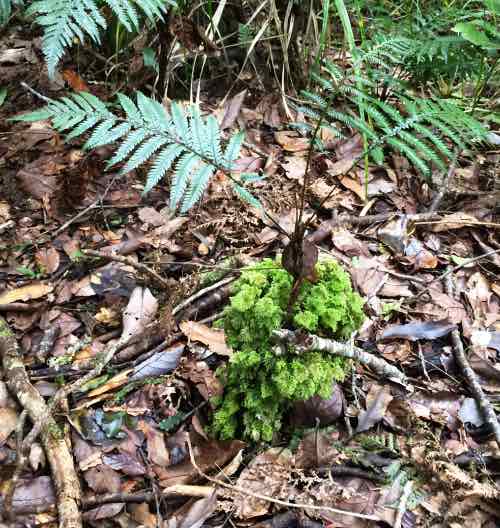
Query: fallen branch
x,y
326,227
129,262
470,376
61,462
266,498
201,293
306,342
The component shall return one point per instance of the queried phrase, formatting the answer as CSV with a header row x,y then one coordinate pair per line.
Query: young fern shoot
x,y
182,141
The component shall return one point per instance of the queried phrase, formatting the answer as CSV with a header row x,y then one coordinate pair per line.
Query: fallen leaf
x,y
210,455
453,221
36,494
75,81
104,511
140,312
159,364
40,177
295,167
377,401
266,474
233,107
157,451
26,293
419,330
215,339
325,410
486,338
48,259
345,241
103,479
199,373
198,512
291,141
470,413
149,215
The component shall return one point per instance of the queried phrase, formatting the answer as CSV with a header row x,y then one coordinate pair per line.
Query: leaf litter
x,y
356,450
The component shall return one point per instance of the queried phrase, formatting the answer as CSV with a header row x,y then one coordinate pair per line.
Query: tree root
x,y
61,462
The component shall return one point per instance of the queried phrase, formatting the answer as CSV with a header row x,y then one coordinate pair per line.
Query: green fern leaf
x,y
148,134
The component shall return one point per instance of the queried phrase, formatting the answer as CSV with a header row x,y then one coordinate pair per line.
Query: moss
x,y
259,385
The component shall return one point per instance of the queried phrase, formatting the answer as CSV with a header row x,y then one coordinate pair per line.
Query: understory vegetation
x,y
251,244
260,383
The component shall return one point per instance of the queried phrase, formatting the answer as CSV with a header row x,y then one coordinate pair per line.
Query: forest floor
x,y
420,457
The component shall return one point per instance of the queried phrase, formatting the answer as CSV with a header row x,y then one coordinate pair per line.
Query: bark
x,y
63,471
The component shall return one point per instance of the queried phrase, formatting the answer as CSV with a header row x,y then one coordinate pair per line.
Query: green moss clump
x,y
259,385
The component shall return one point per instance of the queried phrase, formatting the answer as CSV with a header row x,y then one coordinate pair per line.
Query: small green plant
x,y
261,385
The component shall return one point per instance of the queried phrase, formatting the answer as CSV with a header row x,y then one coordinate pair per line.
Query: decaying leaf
x,y
377,402
26,293
213,338
140,311
266,474
419,330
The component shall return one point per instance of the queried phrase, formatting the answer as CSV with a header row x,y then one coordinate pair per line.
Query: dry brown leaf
x,y
149,215
295,167
26,293
39,178
213,338
233,107
377,401
291,141
48,259
267,474
141,310
75,81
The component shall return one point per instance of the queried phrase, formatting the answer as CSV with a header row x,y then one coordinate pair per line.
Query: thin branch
x,y
303,342
266,498
201,293
60,459
129,262
470,376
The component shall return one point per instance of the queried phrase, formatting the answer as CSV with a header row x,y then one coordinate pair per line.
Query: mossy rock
x,y
260,386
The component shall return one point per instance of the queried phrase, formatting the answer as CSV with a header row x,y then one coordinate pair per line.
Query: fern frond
x,y
422,130
64,21
183,142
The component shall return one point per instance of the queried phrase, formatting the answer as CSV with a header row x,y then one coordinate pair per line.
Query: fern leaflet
x,y
182,141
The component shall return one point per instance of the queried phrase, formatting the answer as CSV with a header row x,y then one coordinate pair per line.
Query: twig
x,y
450,270
326,227
201,293
178,490
266,498
21,457
60,459
470,376
129,262
305,342
444,186
402,504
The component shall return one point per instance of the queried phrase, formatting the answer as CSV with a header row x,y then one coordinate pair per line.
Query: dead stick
x,y
60,459
129,262
201,293
307,342
326,227
266,498
470,376
20,307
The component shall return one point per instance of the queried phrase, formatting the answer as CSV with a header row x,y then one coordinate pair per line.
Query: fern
x,y
425,131
65,21
182,141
